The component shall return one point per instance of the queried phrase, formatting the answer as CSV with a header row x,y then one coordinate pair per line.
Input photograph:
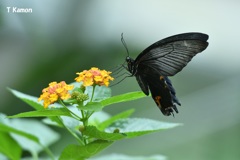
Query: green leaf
x,y
28,133
100,93
109,121
6,126
92,106
126,157
93,132
9,147
98,117
123,98
134,127
44,113
44,134
76,152
31,100
8,129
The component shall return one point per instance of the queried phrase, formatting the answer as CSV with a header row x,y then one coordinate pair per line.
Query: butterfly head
x,y
129,60
130,65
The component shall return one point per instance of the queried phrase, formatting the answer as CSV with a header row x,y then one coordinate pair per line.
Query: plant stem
x,y
75,116
92,93
85,117
85,123
48,151
89,113
73,134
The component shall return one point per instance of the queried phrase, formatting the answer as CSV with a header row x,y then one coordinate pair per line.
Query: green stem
x,y
81,140
88,115
75,116
48,151
92,93
73,134
85,123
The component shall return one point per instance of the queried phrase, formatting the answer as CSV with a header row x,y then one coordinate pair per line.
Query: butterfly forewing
x,y
170,58
185,36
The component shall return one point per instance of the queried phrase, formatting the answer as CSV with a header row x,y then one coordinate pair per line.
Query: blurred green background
x,y
61,38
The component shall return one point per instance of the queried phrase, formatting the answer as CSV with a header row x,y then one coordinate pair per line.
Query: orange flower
x,y
55,91
94,76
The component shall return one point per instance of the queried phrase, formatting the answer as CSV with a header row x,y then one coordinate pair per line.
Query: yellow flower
x,y
55,91
94,76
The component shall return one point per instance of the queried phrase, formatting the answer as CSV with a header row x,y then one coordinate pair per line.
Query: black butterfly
x,y
165,58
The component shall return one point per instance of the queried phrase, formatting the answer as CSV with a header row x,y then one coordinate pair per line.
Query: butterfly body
x,y
162,59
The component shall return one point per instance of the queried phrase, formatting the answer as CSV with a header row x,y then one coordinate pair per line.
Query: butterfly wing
x,y
170,55
143,84
166,58
161,90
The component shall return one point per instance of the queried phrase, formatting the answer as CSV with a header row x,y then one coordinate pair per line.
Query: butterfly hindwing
x,y
161,90
143,84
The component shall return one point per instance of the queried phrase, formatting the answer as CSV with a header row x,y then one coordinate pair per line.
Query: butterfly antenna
x,y
124,44
117,71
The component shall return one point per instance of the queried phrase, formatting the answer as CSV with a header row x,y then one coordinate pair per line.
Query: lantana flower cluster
x,y
54,92
94,76
60,91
